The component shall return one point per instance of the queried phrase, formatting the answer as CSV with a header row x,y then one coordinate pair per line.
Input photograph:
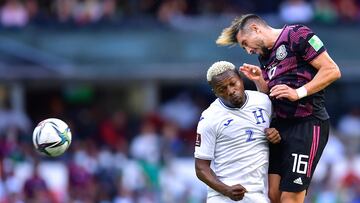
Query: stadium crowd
x,y
78,13
124,158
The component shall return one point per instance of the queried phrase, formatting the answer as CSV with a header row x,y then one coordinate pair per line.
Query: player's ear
x,y
240,74
254,27
213,90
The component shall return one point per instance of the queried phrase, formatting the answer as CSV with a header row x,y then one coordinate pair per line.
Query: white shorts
x,y
248,198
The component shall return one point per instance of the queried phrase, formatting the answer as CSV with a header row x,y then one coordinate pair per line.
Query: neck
x,y
272,37
228,104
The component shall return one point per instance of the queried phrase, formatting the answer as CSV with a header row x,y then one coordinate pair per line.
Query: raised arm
x,y
327,73
253,73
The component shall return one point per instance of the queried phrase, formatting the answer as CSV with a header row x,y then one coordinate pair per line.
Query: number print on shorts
x,y
300,165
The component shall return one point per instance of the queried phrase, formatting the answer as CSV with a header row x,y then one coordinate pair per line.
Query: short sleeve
x,y
205,139
266,104
304,42
269,107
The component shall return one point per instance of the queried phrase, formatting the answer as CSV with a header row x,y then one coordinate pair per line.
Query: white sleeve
x,y
269,107
205,140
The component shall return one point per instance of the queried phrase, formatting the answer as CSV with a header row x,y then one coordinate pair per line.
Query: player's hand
x,y
235,192
252,72
284,91
272,135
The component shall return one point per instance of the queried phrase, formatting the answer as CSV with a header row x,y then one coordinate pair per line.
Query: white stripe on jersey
x,y
234,139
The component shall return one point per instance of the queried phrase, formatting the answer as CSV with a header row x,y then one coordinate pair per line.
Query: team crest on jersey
x,y
281,52
198,140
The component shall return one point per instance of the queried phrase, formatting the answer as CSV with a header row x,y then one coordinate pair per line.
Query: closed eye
x,y
220,89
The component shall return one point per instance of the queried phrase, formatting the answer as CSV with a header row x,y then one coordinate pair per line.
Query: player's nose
x,y
231,91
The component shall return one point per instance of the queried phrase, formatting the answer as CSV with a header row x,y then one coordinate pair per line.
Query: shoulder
x,y
213,107
210,119
297,27
211,114
299,32
258,98
256,94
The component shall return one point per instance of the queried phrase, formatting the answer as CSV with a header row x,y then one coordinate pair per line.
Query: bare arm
x,y
254,73
327,73
207,175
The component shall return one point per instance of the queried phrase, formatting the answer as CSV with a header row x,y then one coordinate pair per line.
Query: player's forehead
x,y
225,77
242,36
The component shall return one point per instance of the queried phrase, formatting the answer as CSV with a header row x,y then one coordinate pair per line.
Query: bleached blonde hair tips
x,y
218,68
227,37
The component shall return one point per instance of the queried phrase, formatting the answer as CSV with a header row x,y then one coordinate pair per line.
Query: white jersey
x,y
234,139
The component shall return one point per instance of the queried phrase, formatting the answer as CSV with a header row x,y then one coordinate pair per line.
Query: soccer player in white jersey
x,y
233,134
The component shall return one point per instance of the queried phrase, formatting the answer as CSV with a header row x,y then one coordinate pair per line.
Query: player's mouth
x,y
236,99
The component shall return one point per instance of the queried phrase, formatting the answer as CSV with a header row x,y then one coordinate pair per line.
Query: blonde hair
x,y
228,35
218,68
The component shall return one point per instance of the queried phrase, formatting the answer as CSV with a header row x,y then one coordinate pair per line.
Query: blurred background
x,y
128,76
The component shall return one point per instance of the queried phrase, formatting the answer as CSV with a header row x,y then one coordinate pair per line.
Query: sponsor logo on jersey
x,y
281,52
198,140
298,181
228,122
